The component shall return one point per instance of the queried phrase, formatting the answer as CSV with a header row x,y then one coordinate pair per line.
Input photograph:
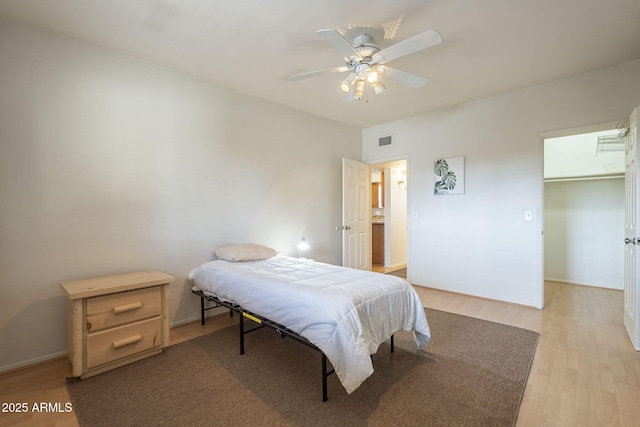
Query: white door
x,y
356,215
631,260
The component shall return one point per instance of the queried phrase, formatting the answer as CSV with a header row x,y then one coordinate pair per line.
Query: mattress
x,y
346,313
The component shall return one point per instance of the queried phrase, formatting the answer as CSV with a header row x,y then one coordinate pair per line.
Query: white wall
x,y
584,232
110,165
479,243
577,156
396,217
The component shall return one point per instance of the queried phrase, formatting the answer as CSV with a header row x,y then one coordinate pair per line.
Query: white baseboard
x,y
183,321
49,357
35,361
210,313
574,282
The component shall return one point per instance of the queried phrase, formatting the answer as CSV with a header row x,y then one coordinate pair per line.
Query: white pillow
x,y
245,252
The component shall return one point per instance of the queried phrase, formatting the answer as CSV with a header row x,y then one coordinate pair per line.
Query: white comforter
x,y
346,313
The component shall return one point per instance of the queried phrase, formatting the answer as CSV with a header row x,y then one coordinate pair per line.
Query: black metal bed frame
x,y
264,322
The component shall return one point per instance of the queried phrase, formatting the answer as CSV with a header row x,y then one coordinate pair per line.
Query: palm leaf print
x,y
440,167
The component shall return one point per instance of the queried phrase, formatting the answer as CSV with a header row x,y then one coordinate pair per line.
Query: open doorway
x,y
389,244
584,205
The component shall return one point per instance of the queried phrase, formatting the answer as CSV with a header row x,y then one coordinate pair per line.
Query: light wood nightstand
x,y
115,320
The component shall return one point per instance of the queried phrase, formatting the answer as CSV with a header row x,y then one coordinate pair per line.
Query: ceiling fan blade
x,y
406,47
409,79
318,73
336,40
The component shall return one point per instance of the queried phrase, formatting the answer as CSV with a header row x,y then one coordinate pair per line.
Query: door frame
x,y
406,158
598,127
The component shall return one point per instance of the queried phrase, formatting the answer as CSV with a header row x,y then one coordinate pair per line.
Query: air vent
x,y
385,140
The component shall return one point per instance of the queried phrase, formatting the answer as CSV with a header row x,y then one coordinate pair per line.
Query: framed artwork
x,y
448,176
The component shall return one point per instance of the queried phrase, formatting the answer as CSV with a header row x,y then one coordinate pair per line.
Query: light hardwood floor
x,y
383,269
585,371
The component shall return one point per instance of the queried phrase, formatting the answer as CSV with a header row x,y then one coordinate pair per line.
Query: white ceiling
x,y
489,46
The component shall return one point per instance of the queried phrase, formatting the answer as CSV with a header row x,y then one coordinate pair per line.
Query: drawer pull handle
x,y
127,341
127,307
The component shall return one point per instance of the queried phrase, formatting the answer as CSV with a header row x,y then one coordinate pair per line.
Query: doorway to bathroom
x,y
389,201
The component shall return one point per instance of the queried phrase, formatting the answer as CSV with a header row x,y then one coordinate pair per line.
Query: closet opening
x,y
584,208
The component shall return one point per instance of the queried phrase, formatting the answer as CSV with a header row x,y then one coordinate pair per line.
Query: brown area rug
x,y
472,374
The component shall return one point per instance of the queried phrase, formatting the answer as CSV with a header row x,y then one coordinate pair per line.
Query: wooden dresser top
x,y
111,284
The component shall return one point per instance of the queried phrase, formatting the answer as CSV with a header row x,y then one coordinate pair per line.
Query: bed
x,y
343,312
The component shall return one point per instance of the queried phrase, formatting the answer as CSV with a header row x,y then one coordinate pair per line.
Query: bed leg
x,y
324,378
202,310
392,349
241,334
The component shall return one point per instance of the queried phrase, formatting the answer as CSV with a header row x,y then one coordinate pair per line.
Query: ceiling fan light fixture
x,y
345,85
378,87
359,92
362,70
372,76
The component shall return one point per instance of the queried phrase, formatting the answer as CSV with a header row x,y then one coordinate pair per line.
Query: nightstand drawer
x,y
121,308
117,343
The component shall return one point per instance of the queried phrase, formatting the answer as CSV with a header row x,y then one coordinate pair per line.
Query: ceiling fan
x,y
367,62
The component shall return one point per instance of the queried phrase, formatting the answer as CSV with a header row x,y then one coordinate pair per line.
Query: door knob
x,y
343,227
632,241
